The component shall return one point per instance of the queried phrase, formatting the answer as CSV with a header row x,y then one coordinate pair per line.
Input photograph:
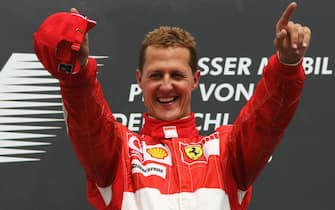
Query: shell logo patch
x,y
194,152
157,152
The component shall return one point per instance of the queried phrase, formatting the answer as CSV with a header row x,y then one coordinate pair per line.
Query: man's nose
x,y
166,83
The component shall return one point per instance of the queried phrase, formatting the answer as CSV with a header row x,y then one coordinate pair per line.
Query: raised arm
x,y
90,123
263,120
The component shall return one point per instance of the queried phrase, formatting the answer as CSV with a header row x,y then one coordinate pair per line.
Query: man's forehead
x,y
167,52
157,54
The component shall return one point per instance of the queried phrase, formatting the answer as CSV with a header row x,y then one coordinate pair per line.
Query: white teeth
x,y
166,100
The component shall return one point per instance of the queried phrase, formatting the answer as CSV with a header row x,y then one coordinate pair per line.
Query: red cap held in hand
x,y
58,40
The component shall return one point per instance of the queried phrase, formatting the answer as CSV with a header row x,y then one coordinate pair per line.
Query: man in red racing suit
x,y
168,165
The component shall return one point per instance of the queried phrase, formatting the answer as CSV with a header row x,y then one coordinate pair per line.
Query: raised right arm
x,y
61,44
90,125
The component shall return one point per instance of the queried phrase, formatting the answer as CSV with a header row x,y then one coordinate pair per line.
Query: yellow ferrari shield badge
x,y
193,152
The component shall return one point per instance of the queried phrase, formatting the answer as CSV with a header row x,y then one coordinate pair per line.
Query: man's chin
x,y
168,115
165,116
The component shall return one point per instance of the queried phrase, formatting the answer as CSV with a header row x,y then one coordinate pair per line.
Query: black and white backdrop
x,y
38,169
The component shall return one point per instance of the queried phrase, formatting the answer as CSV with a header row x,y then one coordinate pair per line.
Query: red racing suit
x,y
168,165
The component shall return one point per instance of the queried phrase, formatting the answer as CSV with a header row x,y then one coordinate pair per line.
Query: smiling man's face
x,y
167,82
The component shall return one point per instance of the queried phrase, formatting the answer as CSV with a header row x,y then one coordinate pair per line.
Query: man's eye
x,y
155,76
177,76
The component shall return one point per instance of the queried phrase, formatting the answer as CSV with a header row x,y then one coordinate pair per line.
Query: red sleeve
x,y
263,120
90,124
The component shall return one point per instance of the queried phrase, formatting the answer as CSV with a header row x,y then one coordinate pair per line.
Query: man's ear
x,y
196,79
139,77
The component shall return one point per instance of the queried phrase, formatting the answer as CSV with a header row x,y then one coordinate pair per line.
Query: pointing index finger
x,y
287,14
74,10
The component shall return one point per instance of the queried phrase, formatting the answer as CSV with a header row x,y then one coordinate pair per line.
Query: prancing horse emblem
x,y
193,152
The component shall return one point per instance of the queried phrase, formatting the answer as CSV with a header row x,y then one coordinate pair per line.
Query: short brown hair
x,y
169,36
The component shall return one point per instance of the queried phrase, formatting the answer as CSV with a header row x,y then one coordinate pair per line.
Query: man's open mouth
x,y
167,100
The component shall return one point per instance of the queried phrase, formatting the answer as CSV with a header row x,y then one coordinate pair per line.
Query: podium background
x,y
301,174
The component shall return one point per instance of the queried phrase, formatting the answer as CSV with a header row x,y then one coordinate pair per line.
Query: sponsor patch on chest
x,y
148,160
158,152
149,169
194,152
148,153
199,152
